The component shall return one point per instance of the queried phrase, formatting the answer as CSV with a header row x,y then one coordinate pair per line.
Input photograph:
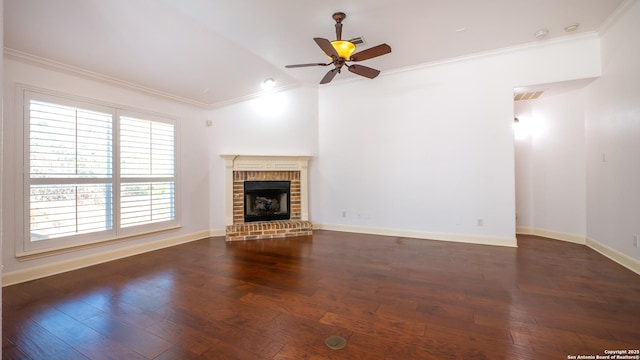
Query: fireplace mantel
x,y
265,163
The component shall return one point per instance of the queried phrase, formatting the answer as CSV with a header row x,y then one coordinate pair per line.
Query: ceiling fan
x,y
341,51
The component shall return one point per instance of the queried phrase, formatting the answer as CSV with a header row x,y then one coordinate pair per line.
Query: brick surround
x,y
294,169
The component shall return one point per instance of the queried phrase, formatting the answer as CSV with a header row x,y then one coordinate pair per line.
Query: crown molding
x,y
616,15
495,52
122,83
74,70
257,95
479,55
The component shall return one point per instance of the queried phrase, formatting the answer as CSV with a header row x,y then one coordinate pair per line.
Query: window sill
x,y
42,253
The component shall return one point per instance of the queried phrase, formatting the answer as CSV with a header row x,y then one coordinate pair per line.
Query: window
x,y
95,172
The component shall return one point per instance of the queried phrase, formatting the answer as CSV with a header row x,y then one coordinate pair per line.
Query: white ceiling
x,y
211,52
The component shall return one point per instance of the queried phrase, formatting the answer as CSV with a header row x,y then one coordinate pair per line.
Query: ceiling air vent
x,y
532,95
357,40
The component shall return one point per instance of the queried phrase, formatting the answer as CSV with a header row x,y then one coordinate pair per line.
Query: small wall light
x,y
520,131
268,84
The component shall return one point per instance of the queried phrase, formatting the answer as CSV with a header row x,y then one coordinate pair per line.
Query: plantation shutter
x,y
147,158
93,172
70,157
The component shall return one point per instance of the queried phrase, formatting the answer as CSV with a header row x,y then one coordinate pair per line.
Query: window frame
x,y
24,245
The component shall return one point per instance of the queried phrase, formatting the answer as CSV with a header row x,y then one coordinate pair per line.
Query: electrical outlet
x,y
344,214
480,222
636,240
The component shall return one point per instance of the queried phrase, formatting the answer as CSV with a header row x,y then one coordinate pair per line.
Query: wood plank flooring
x,y
391,298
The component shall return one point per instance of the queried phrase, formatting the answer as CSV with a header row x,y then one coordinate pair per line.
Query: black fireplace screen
x,y
267,200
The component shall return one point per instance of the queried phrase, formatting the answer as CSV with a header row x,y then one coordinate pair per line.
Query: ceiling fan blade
x,y
329,76
305,65
364,71
326,46
371,52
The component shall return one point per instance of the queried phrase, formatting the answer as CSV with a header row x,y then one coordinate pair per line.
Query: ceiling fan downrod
x,y
338,17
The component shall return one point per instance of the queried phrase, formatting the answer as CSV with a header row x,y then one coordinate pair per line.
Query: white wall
x,y
553,154
577,177
429,152
193,145
524,166
558,164
613,129
280,123
426,151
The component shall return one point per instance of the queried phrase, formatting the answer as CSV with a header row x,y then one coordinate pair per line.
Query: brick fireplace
x,y
243,168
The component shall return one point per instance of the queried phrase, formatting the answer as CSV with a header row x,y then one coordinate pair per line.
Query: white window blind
x,y
69,142
76,190
147,164
70,160
64,210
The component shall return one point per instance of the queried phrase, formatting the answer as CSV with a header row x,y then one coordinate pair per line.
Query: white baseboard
x,y
464,238
217,232
15,277
36,272
613,254
552,234
524,230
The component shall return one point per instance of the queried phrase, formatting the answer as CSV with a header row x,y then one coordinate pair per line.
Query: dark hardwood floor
x,y
391,298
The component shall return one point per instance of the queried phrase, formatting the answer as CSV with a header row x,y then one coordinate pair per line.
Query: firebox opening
x,y
267,200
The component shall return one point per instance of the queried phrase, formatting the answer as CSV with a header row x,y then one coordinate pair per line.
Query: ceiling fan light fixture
x,y
344,48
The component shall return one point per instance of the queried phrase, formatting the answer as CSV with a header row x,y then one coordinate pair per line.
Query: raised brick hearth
x,y
251,168
268,230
